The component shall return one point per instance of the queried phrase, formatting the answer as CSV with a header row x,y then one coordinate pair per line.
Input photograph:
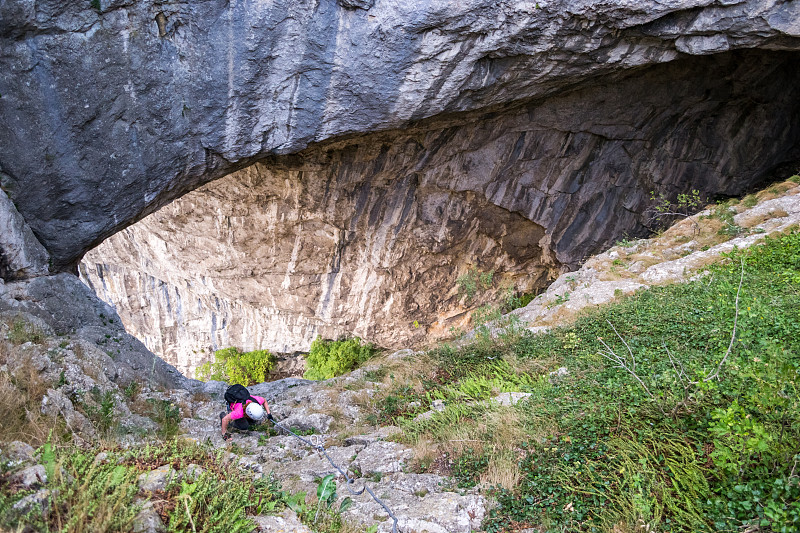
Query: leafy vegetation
x,y
166,415
235,367
693,427
86,493
473,281
664,211
327,359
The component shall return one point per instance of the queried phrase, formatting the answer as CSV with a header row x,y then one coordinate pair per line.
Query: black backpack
x,y
238,394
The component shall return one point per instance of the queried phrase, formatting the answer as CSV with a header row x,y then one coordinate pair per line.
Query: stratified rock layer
x,y
368,236
110,109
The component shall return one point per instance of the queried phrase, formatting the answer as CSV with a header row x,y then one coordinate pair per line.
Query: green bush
x,y
232,366
333,358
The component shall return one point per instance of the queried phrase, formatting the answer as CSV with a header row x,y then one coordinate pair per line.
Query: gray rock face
x,y
65,306
108,114
21,255
369,236
30,477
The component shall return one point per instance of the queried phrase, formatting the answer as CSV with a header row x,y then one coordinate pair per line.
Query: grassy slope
x,y
600,451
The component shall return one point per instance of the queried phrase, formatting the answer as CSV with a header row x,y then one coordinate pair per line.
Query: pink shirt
x,y
237,409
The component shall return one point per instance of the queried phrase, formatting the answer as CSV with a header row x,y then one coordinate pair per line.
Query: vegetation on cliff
x,y
327,358
679,411
674,408
233,366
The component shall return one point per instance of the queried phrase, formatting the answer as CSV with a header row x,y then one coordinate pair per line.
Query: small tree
x,y
235,367
328,359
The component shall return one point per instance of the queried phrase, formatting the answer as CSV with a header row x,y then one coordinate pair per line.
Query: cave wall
x,y
368,235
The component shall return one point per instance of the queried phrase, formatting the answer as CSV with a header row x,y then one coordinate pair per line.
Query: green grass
x,y
682,450
88,495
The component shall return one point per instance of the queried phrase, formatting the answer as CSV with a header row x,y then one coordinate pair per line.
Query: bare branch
x,y
733,334
622,363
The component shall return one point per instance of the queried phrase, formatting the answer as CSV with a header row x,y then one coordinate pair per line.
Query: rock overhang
x,y
114,109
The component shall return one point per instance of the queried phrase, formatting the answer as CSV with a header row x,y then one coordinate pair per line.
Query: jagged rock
x,y
383,457
382,433
193,472
590,287
558,375
101,458
280,388
251,463
21,255
147,519
534,134
15,453
62,305
30,477
135,423
157,479
215,389
304,422
497,193
507,399
286,522
297,73
420,505
56,404
356,4
39,501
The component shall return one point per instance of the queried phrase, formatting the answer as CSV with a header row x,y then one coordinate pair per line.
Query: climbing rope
x,y
320,448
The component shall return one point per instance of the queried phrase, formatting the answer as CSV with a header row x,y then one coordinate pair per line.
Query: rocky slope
x,y
340,412
369,236
680,253
61,308
111,109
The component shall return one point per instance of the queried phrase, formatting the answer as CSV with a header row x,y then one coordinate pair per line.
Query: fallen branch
x,y
625,364
733,334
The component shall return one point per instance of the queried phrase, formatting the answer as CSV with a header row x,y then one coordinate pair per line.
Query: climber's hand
x,y
227,436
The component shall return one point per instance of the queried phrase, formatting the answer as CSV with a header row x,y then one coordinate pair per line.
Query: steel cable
x,y
320,448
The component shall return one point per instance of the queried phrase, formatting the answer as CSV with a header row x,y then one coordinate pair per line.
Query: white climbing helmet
x,y
254,411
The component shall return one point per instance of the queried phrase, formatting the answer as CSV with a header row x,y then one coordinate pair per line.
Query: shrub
x,y
232,366
327,359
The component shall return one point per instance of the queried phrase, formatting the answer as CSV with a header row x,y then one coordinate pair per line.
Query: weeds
x,y
21,396
101,412
21,331
87,495
166,415
236,367
664,211
473,281
729,228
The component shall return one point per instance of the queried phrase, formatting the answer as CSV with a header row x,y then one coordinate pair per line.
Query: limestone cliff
x,y
112,108
368,236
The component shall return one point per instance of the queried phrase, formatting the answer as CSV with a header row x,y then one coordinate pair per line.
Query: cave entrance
x,y
370,236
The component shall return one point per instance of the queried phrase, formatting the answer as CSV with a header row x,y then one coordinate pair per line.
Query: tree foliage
x,y
233,366
327,359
